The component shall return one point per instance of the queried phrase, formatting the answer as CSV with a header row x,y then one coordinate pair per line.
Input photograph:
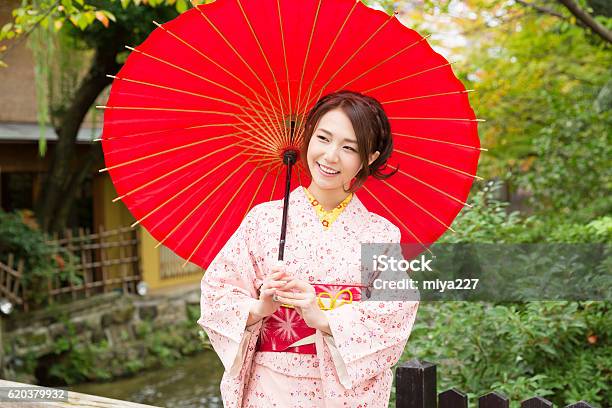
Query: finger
x,y
268,292
274,284
292,302
293,295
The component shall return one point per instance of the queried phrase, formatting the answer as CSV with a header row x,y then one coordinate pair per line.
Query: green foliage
x,y
487,221
573,160
559,350
81,360
41,259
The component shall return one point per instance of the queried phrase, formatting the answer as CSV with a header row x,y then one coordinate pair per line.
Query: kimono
x,y
351,367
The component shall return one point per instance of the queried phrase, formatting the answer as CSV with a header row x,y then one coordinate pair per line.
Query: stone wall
x,y
102,337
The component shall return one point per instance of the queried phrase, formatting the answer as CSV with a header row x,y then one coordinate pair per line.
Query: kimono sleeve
x,y
228,292
369,336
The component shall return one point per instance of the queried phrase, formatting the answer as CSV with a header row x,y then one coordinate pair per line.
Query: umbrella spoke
x,y
441,141
278,170
271,142
353,55
191,163
299,175
194,209
314,24
327,54
263,54
200,95
417,204
267,91
173,149
152,132
399,220
280,22
409,76
163,61
212,224
153,108
261,182
248,100
456,119
433,188
439,164
237,78
384,61
180,192
427,96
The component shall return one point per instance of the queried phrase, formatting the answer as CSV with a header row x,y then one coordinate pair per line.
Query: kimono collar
x,y
299,199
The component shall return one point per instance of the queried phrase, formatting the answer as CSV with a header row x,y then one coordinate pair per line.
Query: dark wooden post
x,y
415,385
452,398
536,402
493,400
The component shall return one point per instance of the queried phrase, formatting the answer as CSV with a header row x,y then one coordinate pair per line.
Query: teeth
x,y
325,169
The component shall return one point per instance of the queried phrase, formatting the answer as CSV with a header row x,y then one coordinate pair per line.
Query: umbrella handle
x,y
289,158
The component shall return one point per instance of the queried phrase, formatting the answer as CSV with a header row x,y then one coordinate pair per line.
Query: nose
x,y
331,154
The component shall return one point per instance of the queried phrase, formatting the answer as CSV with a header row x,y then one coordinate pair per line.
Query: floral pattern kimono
x,y
351,368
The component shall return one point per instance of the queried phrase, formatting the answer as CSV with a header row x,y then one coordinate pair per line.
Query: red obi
x,y
286,331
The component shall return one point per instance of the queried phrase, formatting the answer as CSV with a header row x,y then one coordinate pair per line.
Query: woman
x,y
298,334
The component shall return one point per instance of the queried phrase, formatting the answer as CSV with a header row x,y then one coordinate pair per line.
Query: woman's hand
x,y
303,297
266,305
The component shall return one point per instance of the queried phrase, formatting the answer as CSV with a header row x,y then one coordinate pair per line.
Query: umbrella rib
x,y
280,23
314,23
385,61
441,141
427,96
256,191
270,140
423,118
154,108
152,132
409,76
148,156
418,205
299,175
439,164
185,218
433,188
397,218
274,185
179,91
191,163
353,55
216,64
267,91
188,72
182,191
327,53
280,99
220,214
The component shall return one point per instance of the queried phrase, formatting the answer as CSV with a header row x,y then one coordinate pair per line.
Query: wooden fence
x,y
105,261
416,387
11,282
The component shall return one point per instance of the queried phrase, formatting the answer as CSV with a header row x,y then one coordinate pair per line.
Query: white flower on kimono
x,y
283,323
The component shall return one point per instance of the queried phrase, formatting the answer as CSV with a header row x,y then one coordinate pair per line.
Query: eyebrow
x,y
344,140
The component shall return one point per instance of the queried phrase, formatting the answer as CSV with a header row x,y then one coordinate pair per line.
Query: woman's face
x,y
333,157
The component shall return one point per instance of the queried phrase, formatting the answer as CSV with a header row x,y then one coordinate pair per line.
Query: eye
x,y
322,138
350,148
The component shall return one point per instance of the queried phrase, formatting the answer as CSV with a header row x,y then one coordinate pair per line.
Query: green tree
x,y
103,27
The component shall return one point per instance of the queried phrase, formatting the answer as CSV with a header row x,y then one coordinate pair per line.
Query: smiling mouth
x,y
327,170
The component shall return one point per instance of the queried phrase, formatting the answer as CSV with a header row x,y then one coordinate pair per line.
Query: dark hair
x,y
371,127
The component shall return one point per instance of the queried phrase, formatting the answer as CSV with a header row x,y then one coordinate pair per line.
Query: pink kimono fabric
x,y
352,366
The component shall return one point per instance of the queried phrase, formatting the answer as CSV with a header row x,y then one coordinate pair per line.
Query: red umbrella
x,y
200,114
